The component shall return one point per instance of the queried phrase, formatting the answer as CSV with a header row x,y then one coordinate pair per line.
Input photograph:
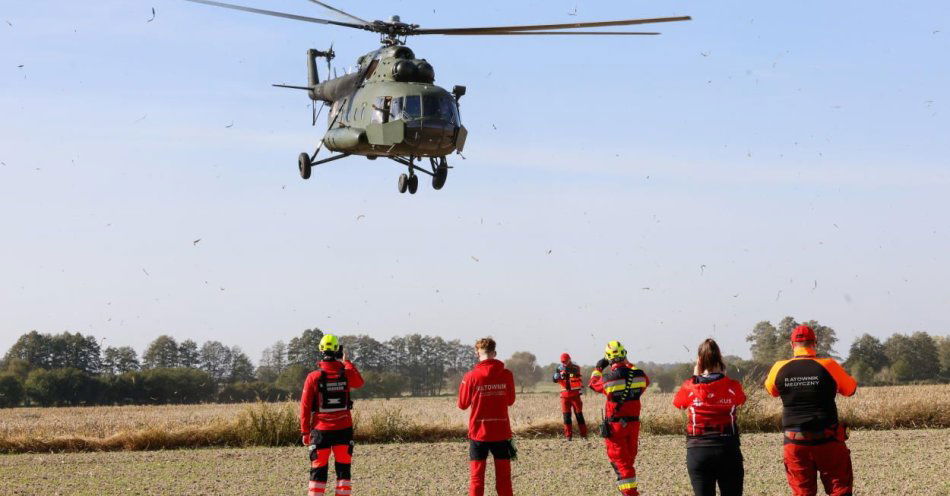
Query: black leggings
x,y
708,465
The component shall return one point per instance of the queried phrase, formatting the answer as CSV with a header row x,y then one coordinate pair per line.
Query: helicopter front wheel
x,y
304,164
440,172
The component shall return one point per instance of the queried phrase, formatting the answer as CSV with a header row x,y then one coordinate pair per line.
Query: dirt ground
x,y
912,462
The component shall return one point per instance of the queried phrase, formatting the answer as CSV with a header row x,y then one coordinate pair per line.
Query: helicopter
x,y
389,105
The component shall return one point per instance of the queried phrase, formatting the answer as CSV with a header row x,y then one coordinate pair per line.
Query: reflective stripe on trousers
x,y
630,483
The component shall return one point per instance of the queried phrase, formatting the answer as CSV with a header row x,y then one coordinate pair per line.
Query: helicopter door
x,y
382,108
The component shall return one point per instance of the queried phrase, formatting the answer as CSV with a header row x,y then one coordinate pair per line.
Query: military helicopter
x,y
389,105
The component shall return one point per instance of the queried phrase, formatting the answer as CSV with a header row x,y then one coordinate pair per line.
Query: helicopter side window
x,y
413,107
382,109
395,108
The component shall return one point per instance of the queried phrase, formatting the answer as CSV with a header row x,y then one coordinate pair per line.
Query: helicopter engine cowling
x,y
343,139
413,71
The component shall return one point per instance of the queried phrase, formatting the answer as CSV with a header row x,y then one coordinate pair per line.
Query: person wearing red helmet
x,y
622,383
488,389
814,438
712,427
568,376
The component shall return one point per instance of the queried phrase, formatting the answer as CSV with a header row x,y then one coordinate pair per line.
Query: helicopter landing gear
x,y
440,172
304,165
408,182
403,183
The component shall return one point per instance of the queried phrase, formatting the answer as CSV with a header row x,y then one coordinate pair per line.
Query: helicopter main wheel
x,y
413,184
403,183
440,174
304,164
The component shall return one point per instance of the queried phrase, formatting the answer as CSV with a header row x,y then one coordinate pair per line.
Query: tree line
x,y
73,369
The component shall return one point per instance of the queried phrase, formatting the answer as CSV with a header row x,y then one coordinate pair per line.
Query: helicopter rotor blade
x,y
546,33
278,14
547,27
338,11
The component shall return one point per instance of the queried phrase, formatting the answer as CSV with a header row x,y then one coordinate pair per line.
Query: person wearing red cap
x,y
814,441
488,389
568,375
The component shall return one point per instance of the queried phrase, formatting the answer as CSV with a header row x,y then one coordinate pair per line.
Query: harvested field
x,y
886,462
405,420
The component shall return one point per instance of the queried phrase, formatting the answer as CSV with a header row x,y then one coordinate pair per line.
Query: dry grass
x,y
911,462
405,420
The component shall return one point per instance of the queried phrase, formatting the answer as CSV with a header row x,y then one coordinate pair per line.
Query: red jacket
x,y
569,378
623,384
711,403
312,401
489,389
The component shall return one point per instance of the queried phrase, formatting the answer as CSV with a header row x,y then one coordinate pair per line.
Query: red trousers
x,y
831,461
574,403
476,485
622,451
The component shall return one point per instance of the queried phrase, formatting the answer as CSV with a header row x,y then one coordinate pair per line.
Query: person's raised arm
x,y
597,376
846,384
739,392
353,377
681,398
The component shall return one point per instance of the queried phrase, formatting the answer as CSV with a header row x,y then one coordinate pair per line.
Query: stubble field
x,y
911,462
534,415
416,446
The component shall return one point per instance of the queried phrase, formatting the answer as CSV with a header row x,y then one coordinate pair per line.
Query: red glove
x,y
306,439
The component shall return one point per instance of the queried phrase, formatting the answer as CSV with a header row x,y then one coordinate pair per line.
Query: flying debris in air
x,y
815,286
573,11
229,126
195,242
778,295
702,269
20,66
146,272
473,258
360,216
10,24
549,251
153,16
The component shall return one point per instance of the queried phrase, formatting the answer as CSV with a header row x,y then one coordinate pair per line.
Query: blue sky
x,y
762,160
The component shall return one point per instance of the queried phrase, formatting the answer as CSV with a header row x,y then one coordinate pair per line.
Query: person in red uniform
x,y
623,384
325,421
814,441
488,389
712,429
568,376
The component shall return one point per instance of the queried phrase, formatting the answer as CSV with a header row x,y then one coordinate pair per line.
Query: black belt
x,y
623,419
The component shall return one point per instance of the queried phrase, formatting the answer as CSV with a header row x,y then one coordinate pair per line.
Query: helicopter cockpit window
x,y
413,107
440,107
